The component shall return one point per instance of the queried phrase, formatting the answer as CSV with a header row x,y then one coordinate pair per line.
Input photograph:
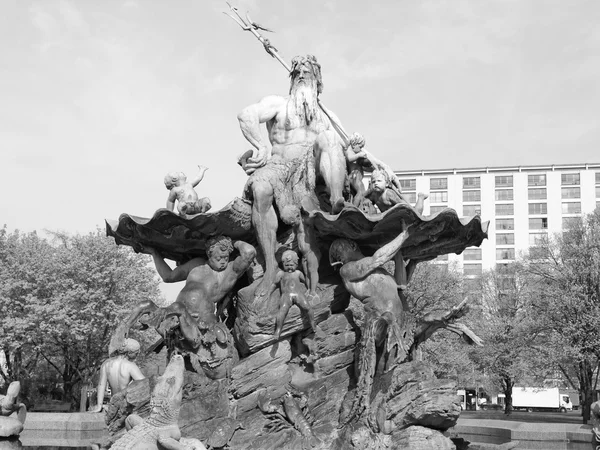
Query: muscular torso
x,y
289,140
378,290
118,373
290,283
204,288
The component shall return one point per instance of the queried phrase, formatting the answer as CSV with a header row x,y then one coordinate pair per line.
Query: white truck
x,y
540,399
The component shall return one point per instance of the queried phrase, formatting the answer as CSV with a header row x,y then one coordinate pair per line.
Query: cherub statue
x,y
384,197
183,191
291,281
303,227
357,158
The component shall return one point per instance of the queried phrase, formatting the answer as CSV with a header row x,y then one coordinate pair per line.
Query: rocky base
x,y
409,407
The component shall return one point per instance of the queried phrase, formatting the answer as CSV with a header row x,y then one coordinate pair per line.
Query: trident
x,y
253,27
249,25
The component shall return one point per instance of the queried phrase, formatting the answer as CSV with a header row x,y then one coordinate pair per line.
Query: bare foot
x,y
337,207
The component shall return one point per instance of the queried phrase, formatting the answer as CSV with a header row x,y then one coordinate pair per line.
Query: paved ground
x,y
547,431
573,417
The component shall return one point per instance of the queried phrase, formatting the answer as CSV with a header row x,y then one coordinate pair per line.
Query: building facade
x,y
522,204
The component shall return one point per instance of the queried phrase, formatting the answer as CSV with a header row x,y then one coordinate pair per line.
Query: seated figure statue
x,y
118,371
384,196
306,147
183,192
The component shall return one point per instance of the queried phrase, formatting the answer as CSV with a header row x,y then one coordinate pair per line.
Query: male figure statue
x,y
365,278
304,146
208,282
119,370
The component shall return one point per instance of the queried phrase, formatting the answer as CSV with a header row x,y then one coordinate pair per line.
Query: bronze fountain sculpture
x,y
343,372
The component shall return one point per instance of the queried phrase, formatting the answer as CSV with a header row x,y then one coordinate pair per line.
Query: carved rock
x,y
408,407
410,394
133,400
255,324
421,438
267,368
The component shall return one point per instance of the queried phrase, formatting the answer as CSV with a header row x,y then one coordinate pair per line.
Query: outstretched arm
x,y
200,176
250,119
101,388
167,274
360,269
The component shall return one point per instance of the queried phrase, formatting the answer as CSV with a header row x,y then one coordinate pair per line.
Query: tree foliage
x,y
62,297
568,268
437,288
507,328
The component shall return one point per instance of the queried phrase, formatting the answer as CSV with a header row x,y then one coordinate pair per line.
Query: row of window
x,y
535,223
441,183
508,209
475,254
508,195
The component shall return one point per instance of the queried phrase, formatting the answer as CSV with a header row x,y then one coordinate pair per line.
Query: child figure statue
x,y
384,197
357,158
291,281
183,191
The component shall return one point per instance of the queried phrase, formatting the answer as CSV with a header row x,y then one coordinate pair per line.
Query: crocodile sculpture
x,y
11,426
160,430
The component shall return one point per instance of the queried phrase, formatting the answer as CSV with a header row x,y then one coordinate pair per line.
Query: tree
x,y
63,298
568,268
21,278
506,326
436,288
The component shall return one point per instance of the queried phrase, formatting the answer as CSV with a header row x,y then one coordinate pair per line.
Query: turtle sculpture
x,y
221,435
10,425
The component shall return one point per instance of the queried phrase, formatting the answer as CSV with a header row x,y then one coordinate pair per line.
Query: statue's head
x,y
290,214
130,348
340,251
379,180
305,87
289,260
306,71
218,249
172,179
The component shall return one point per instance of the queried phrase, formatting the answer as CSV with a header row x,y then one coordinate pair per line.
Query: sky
x,y
100,99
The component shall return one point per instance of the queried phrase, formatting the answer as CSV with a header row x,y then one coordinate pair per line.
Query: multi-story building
x,y
522,204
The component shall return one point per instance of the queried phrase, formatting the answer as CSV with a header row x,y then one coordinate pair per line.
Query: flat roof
x,y
470,170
